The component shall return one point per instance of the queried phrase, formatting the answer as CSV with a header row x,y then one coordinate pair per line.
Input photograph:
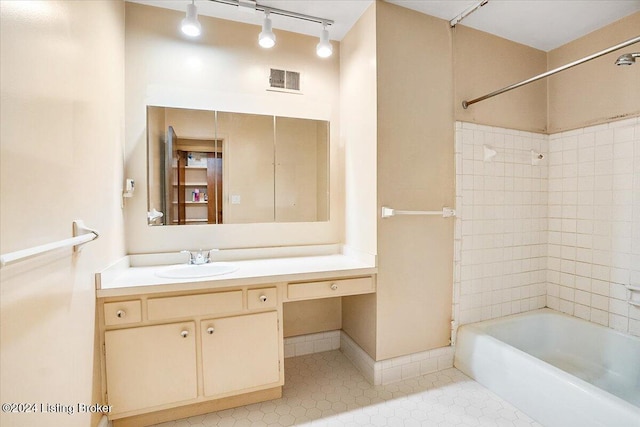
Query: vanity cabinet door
x,y
150,366
240,352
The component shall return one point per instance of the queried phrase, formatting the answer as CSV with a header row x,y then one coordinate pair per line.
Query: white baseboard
x,y
377,373
311,343
361,359
398,368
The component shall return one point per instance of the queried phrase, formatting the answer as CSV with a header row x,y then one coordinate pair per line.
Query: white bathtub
x,y
559,370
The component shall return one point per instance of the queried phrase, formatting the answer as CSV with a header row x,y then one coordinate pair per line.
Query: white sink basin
x,y
187,271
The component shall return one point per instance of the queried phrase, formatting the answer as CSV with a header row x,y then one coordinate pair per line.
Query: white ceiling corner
x,y
542,24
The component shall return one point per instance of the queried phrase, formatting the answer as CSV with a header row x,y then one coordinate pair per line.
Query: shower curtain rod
x,y
466,104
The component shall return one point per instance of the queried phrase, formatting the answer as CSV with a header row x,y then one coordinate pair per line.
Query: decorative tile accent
x,y
311,343
325,389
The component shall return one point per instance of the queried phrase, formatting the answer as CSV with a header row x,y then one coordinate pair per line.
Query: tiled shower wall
x,y
564,233
594,223
501,238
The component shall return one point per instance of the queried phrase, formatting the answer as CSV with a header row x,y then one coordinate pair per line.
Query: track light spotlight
x,y
190,25
324,49
266,38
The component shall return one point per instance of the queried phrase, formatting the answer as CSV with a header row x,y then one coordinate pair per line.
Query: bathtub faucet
x,y
197,257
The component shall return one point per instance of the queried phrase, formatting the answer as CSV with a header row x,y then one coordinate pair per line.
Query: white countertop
x,y
122,281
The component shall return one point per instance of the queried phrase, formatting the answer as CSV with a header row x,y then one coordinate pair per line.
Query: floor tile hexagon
x,y
325,389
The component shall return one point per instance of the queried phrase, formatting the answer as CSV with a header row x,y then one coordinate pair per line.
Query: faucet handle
x,y
190,261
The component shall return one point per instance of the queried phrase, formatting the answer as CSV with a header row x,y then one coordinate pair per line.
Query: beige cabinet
x,y
151,365
240,352
173,354
330,288
193,350
122,313
194,305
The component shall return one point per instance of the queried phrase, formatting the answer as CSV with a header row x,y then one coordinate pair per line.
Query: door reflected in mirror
x,y
214,167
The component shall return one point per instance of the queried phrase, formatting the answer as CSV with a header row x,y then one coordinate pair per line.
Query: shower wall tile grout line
x,y
564,233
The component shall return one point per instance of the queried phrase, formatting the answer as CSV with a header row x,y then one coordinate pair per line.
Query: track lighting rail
x,y
275,11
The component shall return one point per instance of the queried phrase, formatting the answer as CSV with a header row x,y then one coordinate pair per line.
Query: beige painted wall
x,y
358,102
61,159
359,321
415,171
592,93
358,105
413,144
597,91
484,63
224,70
309,317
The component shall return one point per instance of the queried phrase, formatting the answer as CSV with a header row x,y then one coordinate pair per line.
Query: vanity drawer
x,y
122,312
262,298
194,305
329,288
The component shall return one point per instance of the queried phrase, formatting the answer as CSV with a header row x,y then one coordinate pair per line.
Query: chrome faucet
x,y
198,257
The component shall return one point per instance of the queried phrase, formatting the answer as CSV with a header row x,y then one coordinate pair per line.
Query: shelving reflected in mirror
x,y
214,167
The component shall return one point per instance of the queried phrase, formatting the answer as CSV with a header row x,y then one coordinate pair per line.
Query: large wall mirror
x,y
215,167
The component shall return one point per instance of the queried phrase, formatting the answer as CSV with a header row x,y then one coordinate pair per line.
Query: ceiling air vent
x,y
284,81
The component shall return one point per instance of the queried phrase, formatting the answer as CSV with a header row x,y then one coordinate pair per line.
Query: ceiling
x,y
543,24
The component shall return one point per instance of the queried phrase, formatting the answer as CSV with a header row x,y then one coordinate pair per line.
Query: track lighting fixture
x,y
324,49
190,25
266,38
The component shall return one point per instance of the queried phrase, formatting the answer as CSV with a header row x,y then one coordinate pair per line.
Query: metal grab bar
x,y
81,234
445,212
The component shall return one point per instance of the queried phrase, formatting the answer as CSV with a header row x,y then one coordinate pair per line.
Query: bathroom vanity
x,y
174,347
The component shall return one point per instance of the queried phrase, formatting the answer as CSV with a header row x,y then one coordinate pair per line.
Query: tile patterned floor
x,y
325,389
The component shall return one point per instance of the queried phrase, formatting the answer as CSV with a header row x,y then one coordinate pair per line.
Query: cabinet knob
x,y
184,334
121,313
263,298
334,287
210,330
